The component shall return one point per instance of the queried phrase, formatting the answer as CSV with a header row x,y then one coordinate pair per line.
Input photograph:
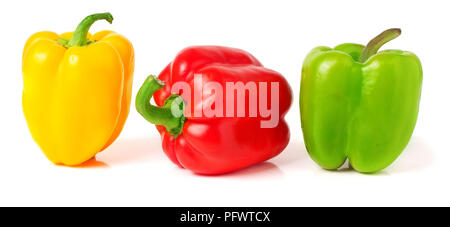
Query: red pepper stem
x,y
171,115
79,37
375,44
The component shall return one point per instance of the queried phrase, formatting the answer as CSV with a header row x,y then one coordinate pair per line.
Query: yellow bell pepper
x,y
77,90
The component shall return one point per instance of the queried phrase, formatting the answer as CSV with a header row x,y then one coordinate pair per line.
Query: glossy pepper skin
x,y
77,90
214,145
358,104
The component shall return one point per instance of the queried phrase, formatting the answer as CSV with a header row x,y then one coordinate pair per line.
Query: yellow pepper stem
x,y
79,37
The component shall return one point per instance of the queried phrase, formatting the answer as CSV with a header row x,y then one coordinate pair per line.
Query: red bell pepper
x,y
220,143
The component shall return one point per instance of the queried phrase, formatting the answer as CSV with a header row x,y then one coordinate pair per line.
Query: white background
x,y
135,172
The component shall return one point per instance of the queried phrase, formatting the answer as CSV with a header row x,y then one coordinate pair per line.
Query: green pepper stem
x,y
375,44
171,115
79,37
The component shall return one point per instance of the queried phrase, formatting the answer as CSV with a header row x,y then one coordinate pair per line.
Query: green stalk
x,y
79,37
375,44
171,115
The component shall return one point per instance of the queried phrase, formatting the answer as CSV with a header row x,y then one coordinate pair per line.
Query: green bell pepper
x,y
358,104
